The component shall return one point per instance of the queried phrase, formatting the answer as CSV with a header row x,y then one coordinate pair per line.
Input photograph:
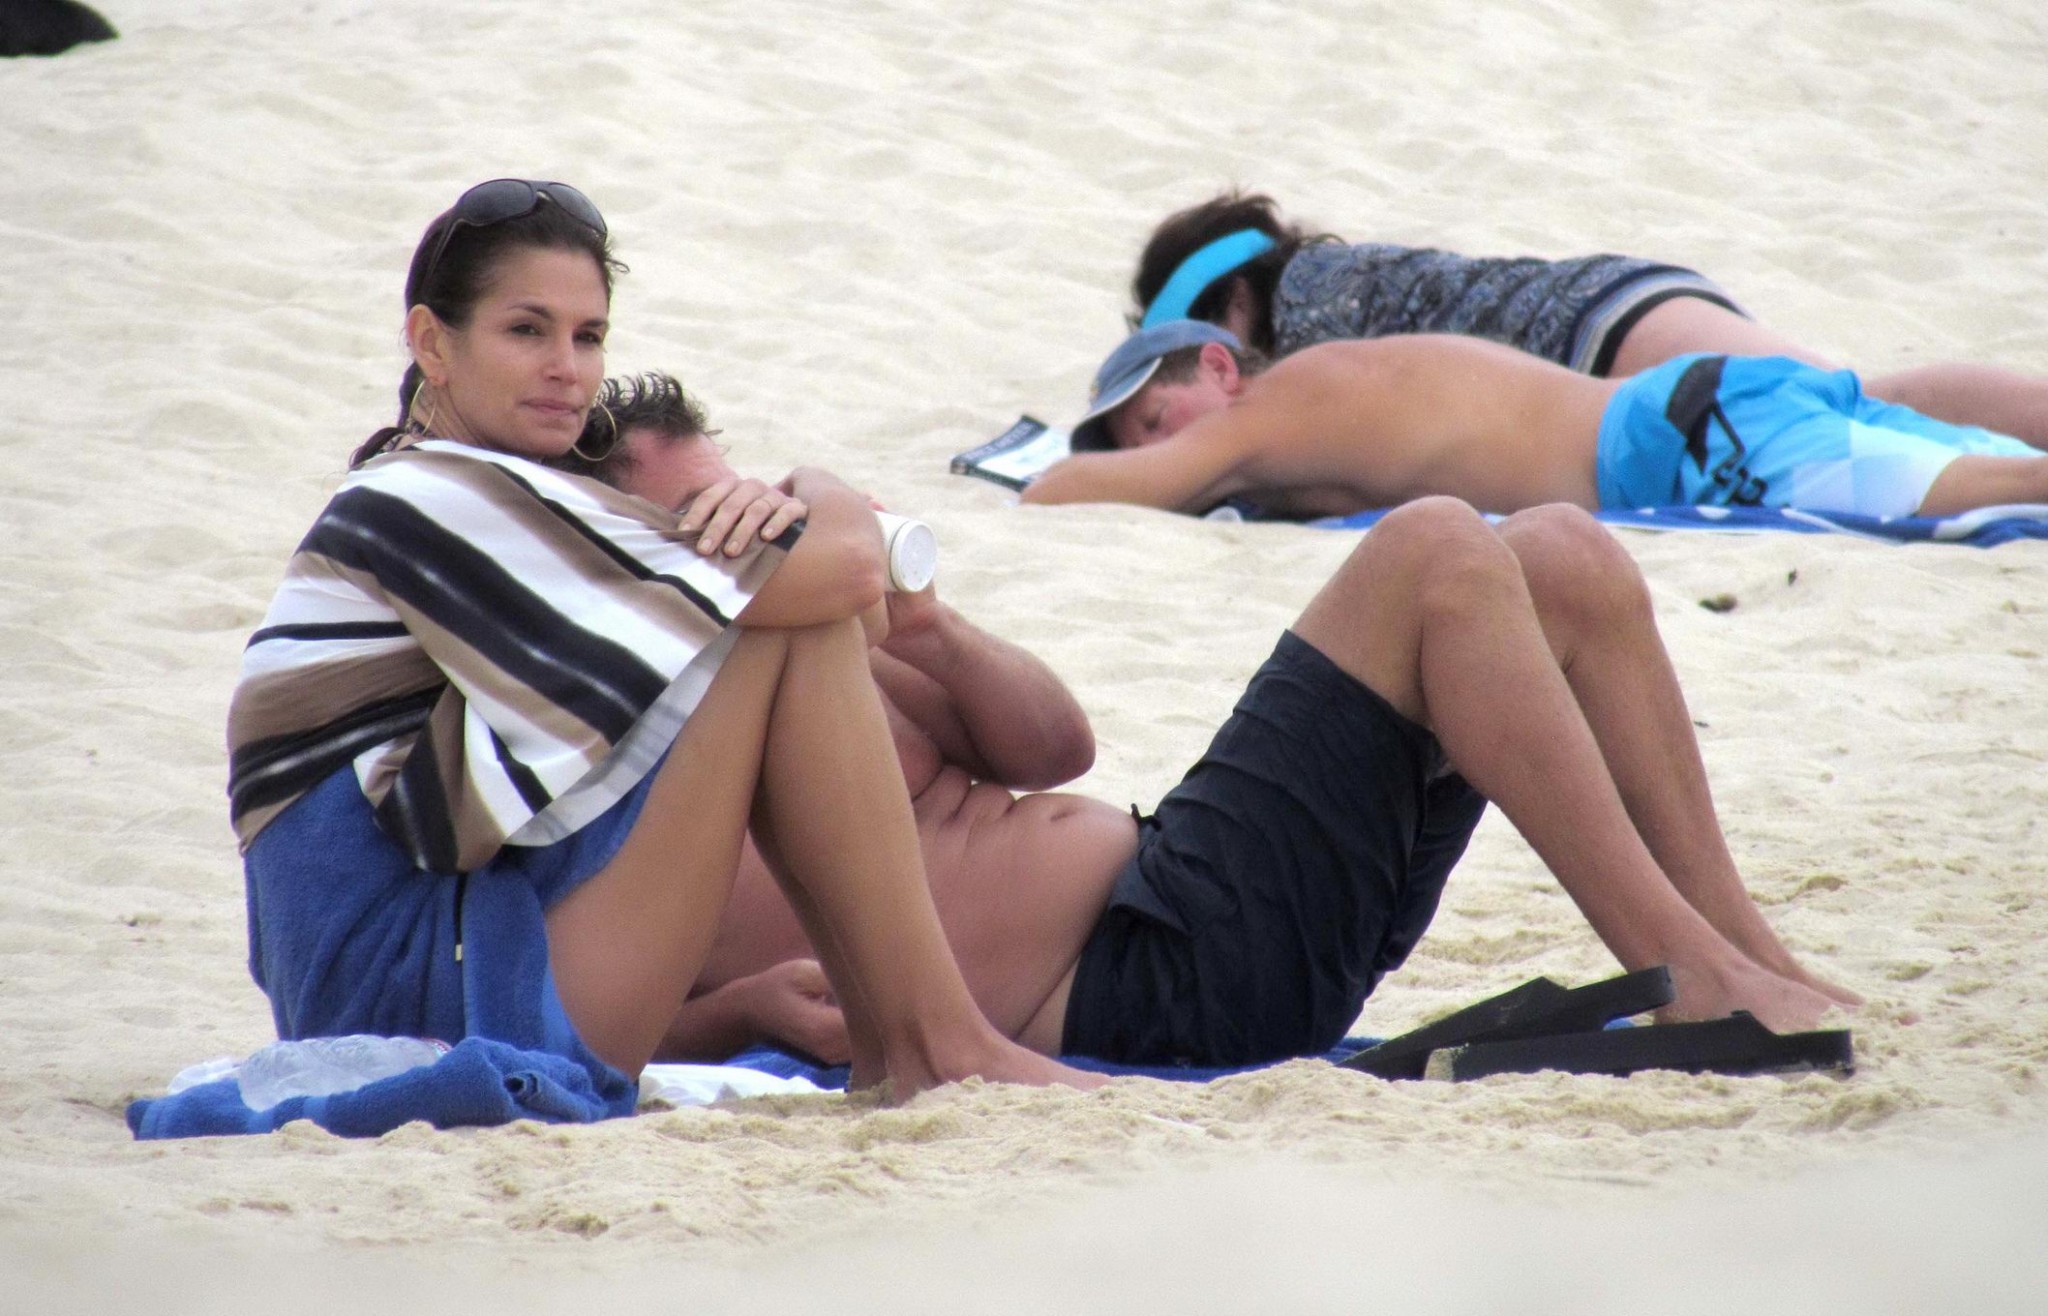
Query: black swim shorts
x,y
1296,863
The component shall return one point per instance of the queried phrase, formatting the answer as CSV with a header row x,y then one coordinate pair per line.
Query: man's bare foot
x,y
1779,1004
992,1057
1784,966
1840,995
1762,946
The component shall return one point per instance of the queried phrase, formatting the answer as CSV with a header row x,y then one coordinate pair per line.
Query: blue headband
x,y
1198,271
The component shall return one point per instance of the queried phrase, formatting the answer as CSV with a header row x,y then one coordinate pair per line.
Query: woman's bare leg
x,y
836,817
1597,616
637,932
1958,392
1431,611
791,736
864,1045
1991,397
1692,324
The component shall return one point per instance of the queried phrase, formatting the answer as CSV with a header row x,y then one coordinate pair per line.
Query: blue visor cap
x,y
1131,367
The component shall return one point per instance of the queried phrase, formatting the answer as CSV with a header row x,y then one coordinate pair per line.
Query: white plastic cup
x,y
913,552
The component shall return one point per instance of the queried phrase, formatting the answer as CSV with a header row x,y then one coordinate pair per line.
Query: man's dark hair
x,y
1185,232
655,401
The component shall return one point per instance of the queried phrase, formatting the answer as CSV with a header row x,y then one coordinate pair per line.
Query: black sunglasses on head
x,y
501,199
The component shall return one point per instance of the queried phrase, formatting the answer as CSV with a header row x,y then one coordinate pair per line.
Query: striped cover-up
x,y
501,650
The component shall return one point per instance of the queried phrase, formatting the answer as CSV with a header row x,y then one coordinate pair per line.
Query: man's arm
x,y
788,1005
1191,471
987,705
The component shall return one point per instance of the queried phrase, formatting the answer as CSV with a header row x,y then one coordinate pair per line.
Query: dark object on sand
x,y
1735,1045
1537,1008
1541,1025
49,27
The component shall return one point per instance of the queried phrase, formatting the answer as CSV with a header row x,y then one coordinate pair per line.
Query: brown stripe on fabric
x,y
414,812
248,824
458,659
659,603
492,573
381,769
478,832
319,689
305,696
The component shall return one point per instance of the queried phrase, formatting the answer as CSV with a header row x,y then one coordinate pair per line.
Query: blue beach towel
x,y
1983,528
336,911
782,1064
482,1082
478,1082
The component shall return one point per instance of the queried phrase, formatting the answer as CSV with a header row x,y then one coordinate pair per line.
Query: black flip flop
x,y
1537,1008
1735,1045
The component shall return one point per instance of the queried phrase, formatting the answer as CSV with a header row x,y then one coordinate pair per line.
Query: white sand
x,y
869,234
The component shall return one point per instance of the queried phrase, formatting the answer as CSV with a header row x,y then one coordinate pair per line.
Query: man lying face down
x,y
1183,418
1446,664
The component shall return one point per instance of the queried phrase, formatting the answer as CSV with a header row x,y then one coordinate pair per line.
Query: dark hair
x,y
462,274
653,401
1185,232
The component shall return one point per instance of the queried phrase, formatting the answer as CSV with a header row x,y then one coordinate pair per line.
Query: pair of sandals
x,y
1540,1025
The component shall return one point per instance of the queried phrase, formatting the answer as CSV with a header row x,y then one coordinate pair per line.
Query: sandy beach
x,y
868,236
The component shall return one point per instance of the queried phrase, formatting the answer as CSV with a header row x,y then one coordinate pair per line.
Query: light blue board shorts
x,y
1722,431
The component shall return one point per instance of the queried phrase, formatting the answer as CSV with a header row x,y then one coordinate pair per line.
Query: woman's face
x,y
521,375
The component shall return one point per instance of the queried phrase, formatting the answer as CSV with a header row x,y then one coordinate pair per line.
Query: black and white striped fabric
x,y
502,651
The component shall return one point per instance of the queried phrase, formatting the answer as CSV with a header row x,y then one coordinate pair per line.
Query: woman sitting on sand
x,y
1234,262
497,743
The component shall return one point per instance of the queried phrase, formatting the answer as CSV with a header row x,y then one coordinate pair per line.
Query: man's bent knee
x,y
1438,512
1574,565
1561,521
1435,541
1567,541
1422,558
1400,551
1422,528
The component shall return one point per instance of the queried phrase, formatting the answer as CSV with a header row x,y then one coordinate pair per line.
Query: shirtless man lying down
x,y
1184,418
1446,664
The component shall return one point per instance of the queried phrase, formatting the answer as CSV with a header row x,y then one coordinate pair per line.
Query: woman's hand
x,y
792,1004
837,571
731,514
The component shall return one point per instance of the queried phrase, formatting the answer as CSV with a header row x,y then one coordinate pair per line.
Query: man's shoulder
x,y
1307,378
1336,352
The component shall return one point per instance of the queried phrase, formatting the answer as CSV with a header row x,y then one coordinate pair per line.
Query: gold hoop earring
x,y
416,424
611,423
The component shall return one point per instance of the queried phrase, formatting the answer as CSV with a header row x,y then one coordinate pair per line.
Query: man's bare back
x,y
1346,426
1182,418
